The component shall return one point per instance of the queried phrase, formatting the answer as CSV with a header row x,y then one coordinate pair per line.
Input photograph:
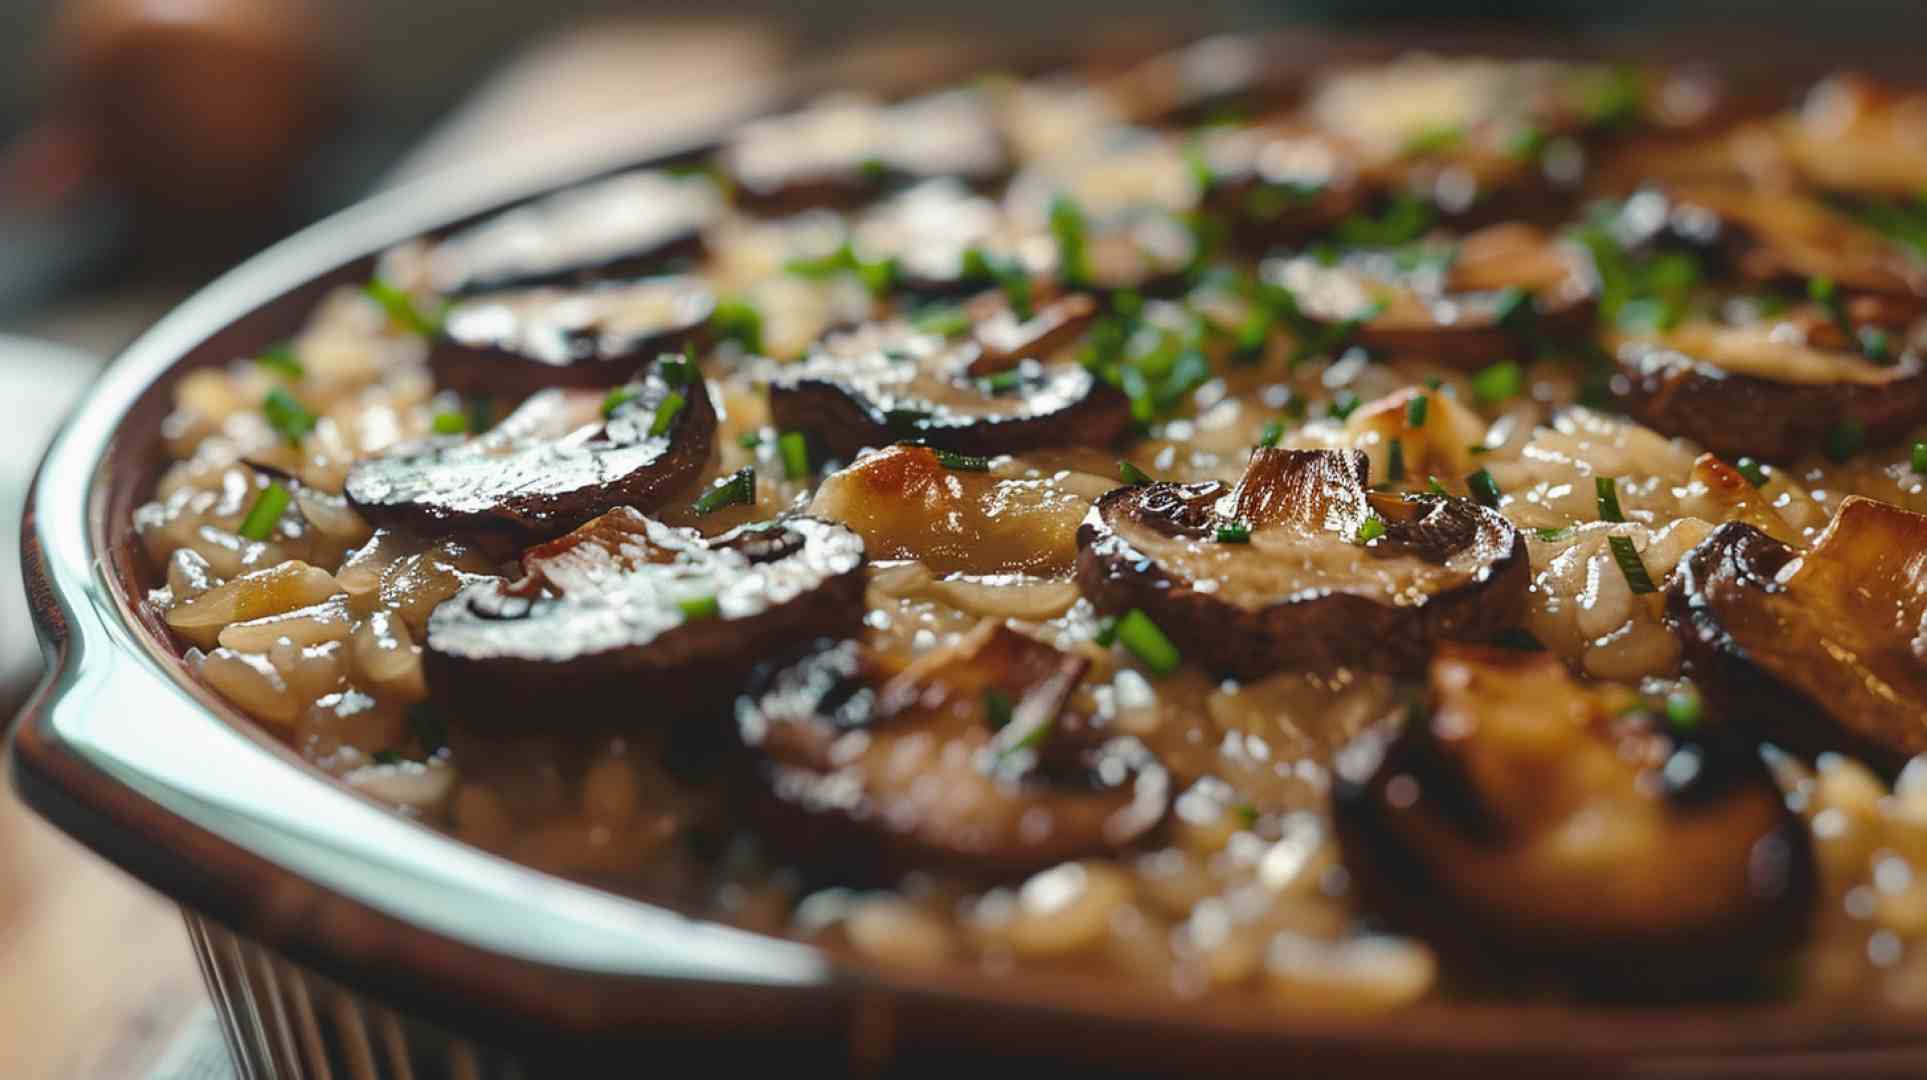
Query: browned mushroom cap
x,y
1855,134
622,227
627,612
1280,182
516,343
907,504
553,464
966,757
1529,817
1792,236
1329,574
1823,650
1451,302
1202,81
882,384
1759,390
840,149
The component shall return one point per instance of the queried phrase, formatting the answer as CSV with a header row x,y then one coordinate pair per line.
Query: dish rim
x,y
290,857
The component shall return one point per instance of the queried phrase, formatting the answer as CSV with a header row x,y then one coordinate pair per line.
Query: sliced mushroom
x,y
1792,236
1855,134
1309,584
1279,183
907,504
629,619
1761,390
514,344
1452,302
1825,650
617,228
841,149
883,383
1526,817
877,762
1122,198
930,232
553,464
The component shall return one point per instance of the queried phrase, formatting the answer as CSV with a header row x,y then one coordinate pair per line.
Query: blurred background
x,y
145,145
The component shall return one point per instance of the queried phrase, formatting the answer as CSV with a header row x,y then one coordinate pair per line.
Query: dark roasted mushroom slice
x,y
562,458
1302,567
1460,302
1279,183
516,343
1825,650
1526,818
968,756
621,227
629,620
881,384
1759,390
841,149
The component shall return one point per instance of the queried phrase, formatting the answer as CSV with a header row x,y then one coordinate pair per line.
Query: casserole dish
x,y
337,936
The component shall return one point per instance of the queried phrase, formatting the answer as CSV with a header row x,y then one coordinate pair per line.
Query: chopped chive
x,y
449,422
675,370
1003,382
945,320
1485,490
1683,708
1502,381
281,361
1433,141
616,399
738,320
1516,309
481,413
267,509
400,308
1341,405
1274,430
1247,814
287,415
750,440
1370,529
1845,439
1395,461
962,462
699,607
1875,344
1132,475
795,452
739,489
1526,144
1607,490
666,414
1235,533
1919,456
1551,536
1432,485
387,757
997,709
1752,470
1106,631
1067,228
1627,556
1821,290
1145,641
1415,410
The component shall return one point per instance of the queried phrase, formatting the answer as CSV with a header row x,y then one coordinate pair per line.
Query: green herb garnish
x,y
400,309
1133,475
1235,533
1106,631
1395,461
1432,485
1067,227
1845,439
1485,490
266,511
675,370
738,490
750,440
1415,410
1274,431
1341,405
1405,220
617,398
1553,536
287,415
666,413
738,320
1754,472
795,452
387,757
962,462
1683,708
1918,453
1370,529
1502,381
1627,557
1433,140
449,422
1606,488
997,709
1145,641
281,361
1003,382
699,607
944,320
